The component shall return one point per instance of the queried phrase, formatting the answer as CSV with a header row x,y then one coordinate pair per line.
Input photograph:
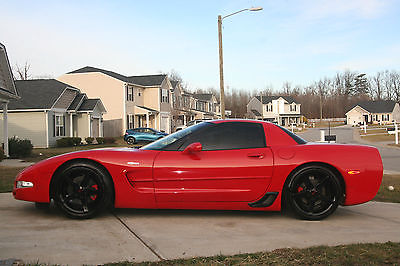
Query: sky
x,y
298,41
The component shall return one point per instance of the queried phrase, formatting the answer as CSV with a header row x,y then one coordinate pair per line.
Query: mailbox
x,y
330,138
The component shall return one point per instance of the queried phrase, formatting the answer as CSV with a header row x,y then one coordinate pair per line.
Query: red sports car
x,y
222,164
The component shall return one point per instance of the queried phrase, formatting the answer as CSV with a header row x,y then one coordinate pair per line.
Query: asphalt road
x,y
346,135
150,235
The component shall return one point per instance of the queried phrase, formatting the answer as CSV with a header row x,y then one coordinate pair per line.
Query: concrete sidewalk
x,y
149,235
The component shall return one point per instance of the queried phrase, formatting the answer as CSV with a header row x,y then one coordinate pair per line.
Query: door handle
x,y
256,155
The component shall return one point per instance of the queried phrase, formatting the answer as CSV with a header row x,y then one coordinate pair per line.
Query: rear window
x,y
293,136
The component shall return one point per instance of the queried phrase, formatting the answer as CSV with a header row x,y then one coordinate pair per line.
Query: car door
x,y
234,165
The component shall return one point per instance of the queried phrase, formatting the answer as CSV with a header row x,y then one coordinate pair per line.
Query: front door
x,y
234,165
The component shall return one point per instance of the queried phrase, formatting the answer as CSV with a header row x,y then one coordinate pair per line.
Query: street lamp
x,y
221,61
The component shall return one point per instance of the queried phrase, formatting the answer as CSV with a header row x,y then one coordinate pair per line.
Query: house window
x,y
129,94
385,117
164,96
59,125
268,107
293,107
130,121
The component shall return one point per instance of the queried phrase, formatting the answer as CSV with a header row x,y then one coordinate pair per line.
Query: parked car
x,y
135,135
221,164
191,123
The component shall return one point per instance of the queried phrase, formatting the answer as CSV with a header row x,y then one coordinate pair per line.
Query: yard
x,y
355,254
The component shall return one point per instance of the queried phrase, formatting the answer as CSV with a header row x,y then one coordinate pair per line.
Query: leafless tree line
x,y
336,95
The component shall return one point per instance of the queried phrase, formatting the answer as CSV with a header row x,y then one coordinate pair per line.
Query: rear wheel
x,y
82,190
313,192
131,140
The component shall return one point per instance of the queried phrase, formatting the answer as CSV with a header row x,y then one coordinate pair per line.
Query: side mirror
x,y
193,147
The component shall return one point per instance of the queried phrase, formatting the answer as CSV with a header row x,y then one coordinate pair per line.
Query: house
x,y
283,110
373,112
50,109
206,106
131,101
181,107
7,93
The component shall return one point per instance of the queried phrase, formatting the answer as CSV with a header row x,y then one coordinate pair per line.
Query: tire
x,y
313,192
131,140
82,190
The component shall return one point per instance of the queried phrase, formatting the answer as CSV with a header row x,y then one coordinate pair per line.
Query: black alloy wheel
x,y
131,140
314,192
82,190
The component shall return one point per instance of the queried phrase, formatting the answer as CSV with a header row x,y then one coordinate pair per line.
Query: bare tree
x,y
22,72
376,86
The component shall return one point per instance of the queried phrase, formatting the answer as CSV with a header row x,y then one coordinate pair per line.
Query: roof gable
x,y
7,85
269,99
37,93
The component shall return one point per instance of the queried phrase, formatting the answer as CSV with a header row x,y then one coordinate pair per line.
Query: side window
x,y
228,136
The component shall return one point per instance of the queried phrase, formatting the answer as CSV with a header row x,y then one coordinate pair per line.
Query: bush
x,y
76,141
65,142
100,140
89,140
19,148
109,140
2,156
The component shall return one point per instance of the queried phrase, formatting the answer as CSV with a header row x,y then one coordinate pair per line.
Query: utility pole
x,y
221,70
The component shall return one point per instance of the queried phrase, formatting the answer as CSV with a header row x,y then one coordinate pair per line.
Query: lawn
x,y
378,138
355,254
384,194
326,124
7,177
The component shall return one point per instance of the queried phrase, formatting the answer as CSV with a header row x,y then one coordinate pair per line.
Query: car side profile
x,y
135,135
217,165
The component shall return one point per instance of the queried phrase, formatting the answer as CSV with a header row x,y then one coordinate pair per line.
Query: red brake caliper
x,y
93,197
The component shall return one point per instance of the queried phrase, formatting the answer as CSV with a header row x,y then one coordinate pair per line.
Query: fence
x,y
379,130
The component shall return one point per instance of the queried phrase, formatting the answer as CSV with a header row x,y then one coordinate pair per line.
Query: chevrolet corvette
x,y
215,165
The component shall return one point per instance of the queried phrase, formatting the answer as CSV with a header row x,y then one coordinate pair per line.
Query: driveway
x,y
151,235
346,135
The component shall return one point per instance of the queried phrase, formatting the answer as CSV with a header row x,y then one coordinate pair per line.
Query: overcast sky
x,y
296,41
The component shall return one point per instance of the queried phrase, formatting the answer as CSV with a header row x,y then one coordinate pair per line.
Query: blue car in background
x,y
135,135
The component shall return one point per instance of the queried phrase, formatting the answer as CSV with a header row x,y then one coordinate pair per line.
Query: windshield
x,y
161,144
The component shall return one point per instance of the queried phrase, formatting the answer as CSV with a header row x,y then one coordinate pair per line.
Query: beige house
x,y
49,110
131,101
205,106
373,112
7,93
283,110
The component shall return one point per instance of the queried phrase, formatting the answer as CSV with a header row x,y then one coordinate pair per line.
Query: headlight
x,y
24,184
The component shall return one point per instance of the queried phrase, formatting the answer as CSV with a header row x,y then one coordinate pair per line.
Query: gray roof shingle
x,y
88,104
37,93
203,96
380,106
144,80
268,99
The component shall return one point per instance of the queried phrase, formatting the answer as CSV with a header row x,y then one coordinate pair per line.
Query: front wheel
x,y
131,140
82,190
314,192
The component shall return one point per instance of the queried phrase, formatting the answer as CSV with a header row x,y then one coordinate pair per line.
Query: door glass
x,y
228,136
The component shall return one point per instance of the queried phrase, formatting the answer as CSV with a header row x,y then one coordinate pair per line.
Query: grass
x,y
354,254
326,124
384,194
378,138
7,177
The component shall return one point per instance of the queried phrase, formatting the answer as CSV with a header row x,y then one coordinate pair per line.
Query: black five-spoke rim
x,y
81,190
313,191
